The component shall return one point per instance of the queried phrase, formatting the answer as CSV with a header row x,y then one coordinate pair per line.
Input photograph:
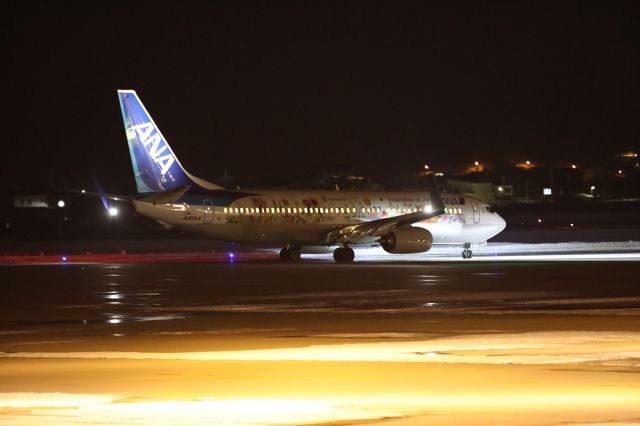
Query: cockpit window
x,y
491,209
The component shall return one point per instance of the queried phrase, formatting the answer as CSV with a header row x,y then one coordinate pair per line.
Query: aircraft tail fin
x,y
155,166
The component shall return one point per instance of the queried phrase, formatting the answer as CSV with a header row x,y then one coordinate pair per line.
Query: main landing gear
x,y
467,253
343,254
290,254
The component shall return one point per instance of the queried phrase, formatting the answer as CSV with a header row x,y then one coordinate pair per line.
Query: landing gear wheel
x,y
467,254
290,254
284,255
343,255
294,254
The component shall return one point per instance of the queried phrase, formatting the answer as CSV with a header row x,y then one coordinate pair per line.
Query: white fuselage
x,y
304,217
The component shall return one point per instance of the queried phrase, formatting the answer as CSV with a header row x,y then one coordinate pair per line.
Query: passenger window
x,y
225,209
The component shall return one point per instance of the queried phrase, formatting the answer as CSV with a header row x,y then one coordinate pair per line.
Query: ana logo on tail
x,y
153,143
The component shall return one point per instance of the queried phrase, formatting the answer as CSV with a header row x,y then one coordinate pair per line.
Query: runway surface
x,y
397,342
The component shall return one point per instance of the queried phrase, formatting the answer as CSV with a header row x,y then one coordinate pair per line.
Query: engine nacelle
x,y
407,240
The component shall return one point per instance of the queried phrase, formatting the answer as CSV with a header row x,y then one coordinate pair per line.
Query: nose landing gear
x,y
467,253
343,255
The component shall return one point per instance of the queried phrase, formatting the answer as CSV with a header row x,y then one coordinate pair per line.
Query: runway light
x,y
113,212
571,225
619,172
61,203
64,258
539,220
528,162
500,189
475,163
426,167
573,166
83,191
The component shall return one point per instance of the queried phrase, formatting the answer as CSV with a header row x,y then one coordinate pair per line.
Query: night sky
x,y
276,89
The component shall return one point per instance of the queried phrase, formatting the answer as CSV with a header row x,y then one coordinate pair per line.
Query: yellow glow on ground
x,y
514,348
47,409
529,378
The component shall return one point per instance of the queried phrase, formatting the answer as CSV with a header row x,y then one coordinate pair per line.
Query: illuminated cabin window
x,y
341,209
363,210
378,210
306,210
225,210
241,209
353,209
316,209
288,209
295,210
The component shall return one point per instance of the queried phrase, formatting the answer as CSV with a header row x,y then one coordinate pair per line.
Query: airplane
x,y
399,221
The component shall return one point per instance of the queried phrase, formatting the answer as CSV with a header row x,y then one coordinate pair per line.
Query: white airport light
x,y
61,203
113,212
528,162
83,191
546,191
539,220
573,166
500,189
426,167
428,208
619,172
475,163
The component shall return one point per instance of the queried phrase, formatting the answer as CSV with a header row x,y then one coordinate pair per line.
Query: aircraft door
x,y
476,212
208,211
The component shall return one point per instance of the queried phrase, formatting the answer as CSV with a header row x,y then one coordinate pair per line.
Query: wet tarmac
x,y
399,342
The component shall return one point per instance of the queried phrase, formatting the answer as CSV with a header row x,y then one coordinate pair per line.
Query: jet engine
x,y
407,240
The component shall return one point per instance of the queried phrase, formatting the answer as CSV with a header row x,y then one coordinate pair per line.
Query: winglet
x,y
437,206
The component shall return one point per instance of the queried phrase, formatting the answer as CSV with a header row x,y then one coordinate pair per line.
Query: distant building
x,y
31,201
483,191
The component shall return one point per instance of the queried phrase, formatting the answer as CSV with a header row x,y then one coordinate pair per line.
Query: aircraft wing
x,y
379,227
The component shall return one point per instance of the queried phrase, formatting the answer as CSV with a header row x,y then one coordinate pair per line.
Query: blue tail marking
x,y
155,166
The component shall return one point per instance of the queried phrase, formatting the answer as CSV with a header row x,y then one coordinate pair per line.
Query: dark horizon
x,y
282,89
